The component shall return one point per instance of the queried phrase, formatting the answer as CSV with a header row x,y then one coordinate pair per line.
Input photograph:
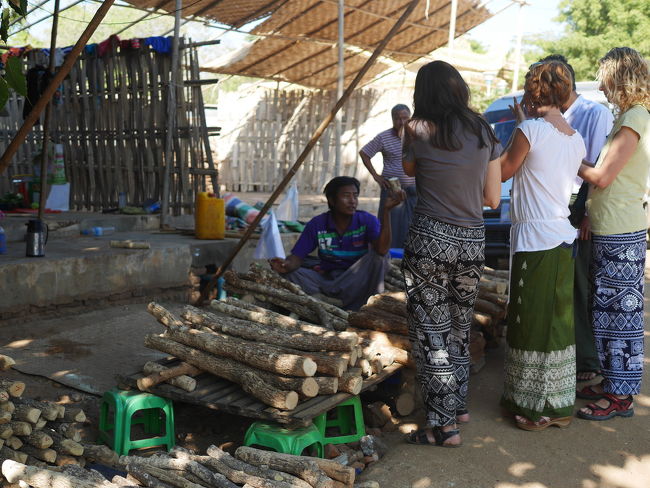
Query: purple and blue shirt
x,y
337,251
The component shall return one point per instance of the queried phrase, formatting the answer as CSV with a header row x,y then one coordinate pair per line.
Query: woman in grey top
x,y
454,156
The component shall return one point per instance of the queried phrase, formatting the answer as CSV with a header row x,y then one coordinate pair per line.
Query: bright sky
x,y
501,30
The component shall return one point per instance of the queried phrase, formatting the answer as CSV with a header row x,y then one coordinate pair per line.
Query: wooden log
x,y
48,455
256,354
351,381
384,338
335,341
63,445
124,483
482,319
66,459
503,274
5,417
38,439
304,467
496,298
166,374
45,478
6,431
231,370
296,339
163,315
147,479
313,306
4,396
235,476
7,406
2,442
496,311
325,363
8,453
6,362
40,423
184,382
86,474
382,323
185,467
170,478
74,415
366,368
101,454
14,443
20,427
493,284
269,277
49,410
405,403
327,385
388,302
70,430
32,461
14,388
26,413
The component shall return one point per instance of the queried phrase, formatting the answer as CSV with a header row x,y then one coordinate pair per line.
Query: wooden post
x,y
60,75
48,116
171,116
310,145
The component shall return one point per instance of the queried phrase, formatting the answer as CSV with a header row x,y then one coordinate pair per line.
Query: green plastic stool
x,y
348,419
120,410
281,439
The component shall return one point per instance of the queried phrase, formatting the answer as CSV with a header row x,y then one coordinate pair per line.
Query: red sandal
x,y
588,392
618,407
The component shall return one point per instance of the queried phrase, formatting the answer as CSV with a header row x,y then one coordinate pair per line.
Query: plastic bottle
x,y
98,231
3,241
209,217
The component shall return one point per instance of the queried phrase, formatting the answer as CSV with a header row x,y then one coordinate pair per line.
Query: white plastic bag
x,y
288,208
270,243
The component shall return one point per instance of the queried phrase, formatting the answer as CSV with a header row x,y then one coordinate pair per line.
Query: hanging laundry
x,y
37,79
108,46
91,49
159,44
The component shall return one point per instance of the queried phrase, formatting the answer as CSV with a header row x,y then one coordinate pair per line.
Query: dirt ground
x,y
495,454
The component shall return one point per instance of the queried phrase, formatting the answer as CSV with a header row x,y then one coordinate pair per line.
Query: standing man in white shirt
x,y
594,122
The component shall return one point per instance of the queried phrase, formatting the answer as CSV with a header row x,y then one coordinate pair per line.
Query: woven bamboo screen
x,y
277,131
298,37
112,122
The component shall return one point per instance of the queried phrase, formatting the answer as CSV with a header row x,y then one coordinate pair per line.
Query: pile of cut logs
x,y
41,433
249,467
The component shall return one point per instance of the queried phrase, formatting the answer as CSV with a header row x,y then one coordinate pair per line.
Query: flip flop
x,y
542,423
420,437
618,407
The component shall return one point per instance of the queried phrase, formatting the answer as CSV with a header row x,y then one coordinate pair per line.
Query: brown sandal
x,y
544,422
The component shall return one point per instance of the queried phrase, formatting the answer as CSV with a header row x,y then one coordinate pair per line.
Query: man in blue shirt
x,y
352,247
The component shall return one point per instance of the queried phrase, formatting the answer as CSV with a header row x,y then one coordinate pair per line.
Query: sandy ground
x,y
495,454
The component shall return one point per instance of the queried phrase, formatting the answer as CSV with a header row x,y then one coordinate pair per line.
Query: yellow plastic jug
x,y
209,217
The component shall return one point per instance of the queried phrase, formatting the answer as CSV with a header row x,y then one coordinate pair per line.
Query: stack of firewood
x,y
267,286
276,359
249,467
41,433
393,278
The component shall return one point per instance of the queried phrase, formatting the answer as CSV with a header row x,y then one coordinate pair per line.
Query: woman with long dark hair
x,y
454,155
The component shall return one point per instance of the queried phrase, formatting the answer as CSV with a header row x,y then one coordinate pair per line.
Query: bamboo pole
x,y
60,75
47,119
171,116
310,145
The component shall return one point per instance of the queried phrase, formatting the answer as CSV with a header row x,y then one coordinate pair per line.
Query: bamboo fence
x,y
111,120
278,129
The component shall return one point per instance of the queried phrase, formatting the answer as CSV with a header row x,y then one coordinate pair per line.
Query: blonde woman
x,y
618,226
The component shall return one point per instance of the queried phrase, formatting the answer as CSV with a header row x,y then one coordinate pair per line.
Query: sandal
x,y
588,393
462,412
420,437
618,407
544,422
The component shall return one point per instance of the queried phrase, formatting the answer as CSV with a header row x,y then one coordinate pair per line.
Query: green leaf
x,y
20,6
14,75
4,92
4,26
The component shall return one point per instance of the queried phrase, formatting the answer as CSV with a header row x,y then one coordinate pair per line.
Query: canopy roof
x,y
298,38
